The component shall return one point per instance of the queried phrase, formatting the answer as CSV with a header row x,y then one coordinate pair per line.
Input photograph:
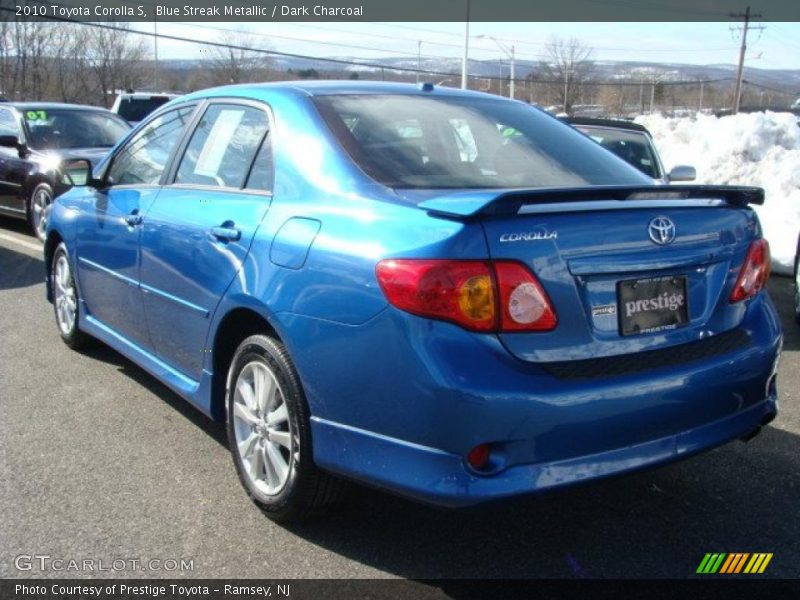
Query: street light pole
x,y
419,58
466,51
511,86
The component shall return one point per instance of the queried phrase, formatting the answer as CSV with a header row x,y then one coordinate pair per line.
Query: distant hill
x,y
787,80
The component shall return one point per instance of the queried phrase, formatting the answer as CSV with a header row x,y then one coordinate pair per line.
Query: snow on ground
x,y
761,149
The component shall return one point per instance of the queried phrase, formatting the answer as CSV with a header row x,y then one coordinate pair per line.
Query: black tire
x,y
44,190
72,336
307,490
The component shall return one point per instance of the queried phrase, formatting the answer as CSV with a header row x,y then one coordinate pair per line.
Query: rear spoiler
x,y
463,205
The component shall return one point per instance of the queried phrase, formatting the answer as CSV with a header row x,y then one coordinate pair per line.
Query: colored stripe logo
x,y
734,562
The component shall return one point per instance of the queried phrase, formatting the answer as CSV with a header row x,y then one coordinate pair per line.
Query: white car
x,y
135,106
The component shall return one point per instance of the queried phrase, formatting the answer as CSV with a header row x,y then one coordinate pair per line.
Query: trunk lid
x,y
594,254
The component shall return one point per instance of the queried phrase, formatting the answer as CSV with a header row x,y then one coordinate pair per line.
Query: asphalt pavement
x,y
98,461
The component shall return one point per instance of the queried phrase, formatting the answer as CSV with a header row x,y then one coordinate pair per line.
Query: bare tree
x,y
568,67
72,81
117,59
241,59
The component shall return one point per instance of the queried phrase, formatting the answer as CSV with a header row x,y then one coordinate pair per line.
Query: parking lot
x,y
99,461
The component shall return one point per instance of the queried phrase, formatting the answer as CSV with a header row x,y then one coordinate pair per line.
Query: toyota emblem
x,y
661,230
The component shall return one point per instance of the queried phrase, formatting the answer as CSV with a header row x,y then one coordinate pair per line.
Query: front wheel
x,y
41,198
65,300
269,433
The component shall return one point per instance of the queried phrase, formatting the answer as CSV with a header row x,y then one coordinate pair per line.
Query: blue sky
x,y
776,47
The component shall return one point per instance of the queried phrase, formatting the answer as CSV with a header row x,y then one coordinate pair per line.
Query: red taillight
x,y
461,291
476,294
754,272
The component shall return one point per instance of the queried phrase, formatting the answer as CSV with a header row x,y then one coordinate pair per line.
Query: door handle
x,y
226,234
133,219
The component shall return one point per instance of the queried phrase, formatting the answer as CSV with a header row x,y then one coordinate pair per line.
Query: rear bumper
x,y
441,478
423,393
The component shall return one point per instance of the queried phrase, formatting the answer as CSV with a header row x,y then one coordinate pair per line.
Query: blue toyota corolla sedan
x,y
444,294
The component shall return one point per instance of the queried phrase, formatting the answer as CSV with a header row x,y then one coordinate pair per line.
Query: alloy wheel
x,y
40,200
263,431
64,295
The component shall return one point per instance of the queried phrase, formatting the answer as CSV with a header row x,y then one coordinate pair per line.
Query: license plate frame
x,y
652,304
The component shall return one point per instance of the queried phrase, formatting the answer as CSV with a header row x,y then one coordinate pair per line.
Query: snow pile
x,y
761,149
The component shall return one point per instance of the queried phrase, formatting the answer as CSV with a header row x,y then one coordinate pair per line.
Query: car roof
x,y
148,95
53,106
607,123
333,87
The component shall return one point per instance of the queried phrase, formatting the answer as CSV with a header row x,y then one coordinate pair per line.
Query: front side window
x,y
223,146
53,129
143,159
410,141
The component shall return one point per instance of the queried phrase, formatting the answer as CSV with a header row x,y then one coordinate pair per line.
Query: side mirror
x,y
12,141
9,141
77,171
682,173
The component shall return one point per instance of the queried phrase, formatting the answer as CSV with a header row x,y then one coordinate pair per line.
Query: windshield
x,y
407,141
136,109
633,147
53,129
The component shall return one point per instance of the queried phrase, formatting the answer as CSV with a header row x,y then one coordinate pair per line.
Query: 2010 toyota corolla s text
x,y
445,294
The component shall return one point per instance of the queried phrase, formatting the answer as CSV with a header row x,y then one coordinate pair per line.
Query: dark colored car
x,y
35,140
797,281
633,143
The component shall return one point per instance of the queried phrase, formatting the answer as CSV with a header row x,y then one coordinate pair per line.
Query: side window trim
x,y
141,127
206,106
265,139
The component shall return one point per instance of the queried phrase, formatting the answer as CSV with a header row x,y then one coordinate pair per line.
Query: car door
x,y
13,168
109,229
198,231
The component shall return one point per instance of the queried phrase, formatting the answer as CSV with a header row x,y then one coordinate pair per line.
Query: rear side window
x,y
223,146
416,141
143,158
136,109
631,146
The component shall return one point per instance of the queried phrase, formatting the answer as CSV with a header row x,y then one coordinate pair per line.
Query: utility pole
x,y
747,16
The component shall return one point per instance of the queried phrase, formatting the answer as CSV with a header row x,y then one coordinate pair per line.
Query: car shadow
x,y
653,524
106,354
17,225
781,290
18,270
741,497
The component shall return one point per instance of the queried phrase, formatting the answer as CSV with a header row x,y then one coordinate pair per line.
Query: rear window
x,y
407,141
136,109
633,147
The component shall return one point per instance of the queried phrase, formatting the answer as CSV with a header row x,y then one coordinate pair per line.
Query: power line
x,y
365,64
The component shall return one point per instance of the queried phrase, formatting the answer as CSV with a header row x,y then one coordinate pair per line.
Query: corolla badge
x,y
661,230
539,233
